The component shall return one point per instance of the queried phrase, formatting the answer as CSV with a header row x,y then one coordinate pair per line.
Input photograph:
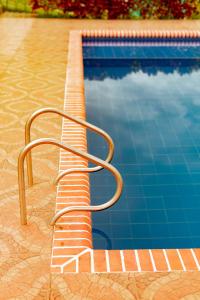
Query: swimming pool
x,y
146,96
74,249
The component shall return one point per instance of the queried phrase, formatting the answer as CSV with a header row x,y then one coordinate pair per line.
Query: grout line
x,y
73,223
70,247
152,261
73,192
74,239
71,185
81,147
72,230
122,261
76,257
181,260
73,136
72,180
167,260
137,261
65,166
107,261
73,161
76,175
92,261
77,264
76,216
195,259
73,204
72,197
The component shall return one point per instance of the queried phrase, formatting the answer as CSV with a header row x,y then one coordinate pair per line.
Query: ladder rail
x,y
103,164
71,171
71,118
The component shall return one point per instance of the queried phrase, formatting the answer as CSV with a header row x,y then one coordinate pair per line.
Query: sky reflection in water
x,y
152,110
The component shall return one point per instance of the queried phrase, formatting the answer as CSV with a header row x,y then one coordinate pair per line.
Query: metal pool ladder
x,y
26,153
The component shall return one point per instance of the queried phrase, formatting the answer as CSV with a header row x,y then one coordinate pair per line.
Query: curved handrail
x,y
74,119
70,171
89,157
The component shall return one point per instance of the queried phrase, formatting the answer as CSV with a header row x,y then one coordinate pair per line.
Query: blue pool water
x,y
151,108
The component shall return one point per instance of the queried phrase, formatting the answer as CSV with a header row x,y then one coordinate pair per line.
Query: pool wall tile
x,y
72,250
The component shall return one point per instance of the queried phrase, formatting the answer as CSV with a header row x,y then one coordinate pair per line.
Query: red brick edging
x,y
72,240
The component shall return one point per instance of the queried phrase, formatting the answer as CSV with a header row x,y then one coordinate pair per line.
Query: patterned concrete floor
x,y
33,59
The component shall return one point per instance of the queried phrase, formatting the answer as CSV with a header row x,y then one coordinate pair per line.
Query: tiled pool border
x,y
72,250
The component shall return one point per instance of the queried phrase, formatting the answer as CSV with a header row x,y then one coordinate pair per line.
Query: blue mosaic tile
x,y
151,108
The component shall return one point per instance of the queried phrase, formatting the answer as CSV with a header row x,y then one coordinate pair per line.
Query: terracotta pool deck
x,y
33,57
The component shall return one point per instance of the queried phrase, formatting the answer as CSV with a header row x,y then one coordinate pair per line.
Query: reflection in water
x,y
119,68
152,111
103,236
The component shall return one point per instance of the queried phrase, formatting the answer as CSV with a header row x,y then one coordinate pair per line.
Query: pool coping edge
x,y
78,255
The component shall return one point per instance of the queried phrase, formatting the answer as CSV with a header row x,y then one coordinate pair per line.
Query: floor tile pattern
x,y
32,75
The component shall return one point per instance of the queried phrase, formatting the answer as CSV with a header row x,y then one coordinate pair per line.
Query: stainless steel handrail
x,y
74,119
89,157
70,171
